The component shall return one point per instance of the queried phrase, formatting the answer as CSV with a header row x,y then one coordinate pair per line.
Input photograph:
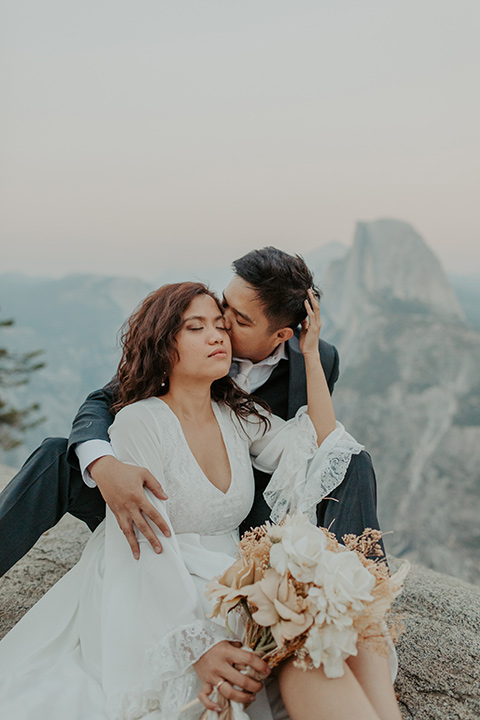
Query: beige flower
x,y
279,607
242,572
229,589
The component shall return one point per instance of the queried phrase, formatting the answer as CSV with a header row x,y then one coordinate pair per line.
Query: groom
x,y
263,305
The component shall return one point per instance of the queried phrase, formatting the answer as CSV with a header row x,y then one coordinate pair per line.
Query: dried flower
x,y
229,589
279,607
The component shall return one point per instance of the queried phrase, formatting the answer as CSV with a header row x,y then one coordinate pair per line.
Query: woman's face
x,y
203,344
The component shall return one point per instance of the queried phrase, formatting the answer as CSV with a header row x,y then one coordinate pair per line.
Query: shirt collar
x,y
280,353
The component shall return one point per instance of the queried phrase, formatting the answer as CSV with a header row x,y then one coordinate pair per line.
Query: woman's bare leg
x,y
310,695
373,674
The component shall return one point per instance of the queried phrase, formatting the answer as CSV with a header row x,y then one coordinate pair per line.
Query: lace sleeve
x,y
180,649
303,472
168,680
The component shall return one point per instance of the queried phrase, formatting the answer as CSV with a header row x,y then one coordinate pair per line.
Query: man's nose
x,y
227,318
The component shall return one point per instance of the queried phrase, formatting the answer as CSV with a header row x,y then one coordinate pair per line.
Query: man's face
x,y
246,323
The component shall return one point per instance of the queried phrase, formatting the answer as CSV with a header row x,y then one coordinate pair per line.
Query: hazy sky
x,y
139,135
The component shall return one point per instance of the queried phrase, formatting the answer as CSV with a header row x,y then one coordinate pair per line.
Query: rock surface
x,y
439,652
54,554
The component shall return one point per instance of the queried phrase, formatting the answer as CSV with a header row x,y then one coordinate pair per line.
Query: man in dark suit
x,y
263,304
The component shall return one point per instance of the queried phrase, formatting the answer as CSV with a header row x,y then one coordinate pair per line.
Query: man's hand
x,y
217,666
122,488
311,326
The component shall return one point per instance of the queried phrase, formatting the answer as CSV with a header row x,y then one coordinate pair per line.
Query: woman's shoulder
x,y
141,411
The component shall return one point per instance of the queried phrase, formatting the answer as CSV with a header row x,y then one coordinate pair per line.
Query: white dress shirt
x,y
248,376
89,451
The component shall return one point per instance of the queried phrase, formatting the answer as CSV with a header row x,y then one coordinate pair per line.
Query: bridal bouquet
x,y
302,594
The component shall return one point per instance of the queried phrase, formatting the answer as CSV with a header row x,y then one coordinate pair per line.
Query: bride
x,y
128,639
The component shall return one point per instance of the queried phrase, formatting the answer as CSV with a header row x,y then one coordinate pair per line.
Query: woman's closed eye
x,y
218,327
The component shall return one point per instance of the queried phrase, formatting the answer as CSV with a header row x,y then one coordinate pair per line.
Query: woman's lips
x,y
218,353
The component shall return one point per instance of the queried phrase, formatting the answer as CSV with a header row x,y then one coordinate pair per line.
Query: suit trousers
x,y
44,489
352,506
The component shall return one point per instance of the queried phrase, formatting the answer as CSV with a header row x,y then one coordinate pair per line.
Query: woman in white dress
x,y
125,639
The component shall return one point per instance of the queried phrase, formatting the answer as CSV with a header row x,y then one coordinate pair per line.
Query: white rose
x,y
300,549
329,646
345,581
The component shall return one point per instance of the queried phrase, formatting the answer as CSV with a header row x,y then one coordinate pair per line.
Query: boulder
x,y
439,651
55,553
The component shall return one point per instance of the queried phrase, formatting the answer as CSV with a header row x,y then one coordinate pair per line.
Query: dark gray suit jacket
x,y
286,391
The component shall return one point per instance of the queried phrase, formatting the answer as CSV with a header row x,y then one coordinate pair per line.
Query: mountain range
x,y
409,387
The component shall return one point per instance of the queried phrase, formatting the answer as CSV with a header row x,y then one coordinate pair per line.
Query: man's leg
x,y
44,489
354,506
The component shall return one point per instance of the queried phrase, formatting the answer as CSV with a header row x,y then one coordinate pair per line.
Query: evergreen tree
x,y
15,369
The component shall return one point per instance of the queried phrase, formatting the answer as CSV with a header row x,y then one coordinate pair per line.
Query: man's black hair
x,y
281,282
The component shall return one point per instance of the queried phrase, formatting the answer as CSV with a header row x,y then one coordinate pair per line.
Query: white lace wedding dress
x,y
116,638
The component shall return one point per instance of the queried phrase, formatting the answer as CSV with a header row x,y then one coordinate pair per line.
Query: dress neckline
x,y
218,415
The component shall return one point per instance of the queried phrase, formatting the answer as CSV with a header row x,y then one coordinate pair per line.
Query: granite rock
x,y
439,651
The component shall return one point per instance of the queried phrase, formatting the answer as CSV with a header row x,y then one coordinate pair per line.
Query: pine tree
x,y
15,369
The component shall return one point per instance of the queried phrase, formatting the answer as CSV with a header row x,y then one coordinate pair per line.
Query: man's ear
x,y
283,335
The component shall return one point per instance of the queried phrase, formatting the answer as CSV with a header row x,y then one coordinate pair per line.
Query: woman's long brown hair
x,y
150,351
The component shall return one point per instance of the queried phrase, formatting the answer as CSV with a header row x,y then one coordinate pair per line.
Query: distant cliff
x,y
409,389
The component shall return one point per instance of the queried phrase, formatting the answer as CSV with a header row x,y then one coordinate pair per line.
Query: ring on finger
x,y
219,683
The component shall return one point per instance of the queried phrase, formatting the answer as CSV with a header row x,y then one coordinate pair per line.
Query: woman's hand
x,y
216,668
311,326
